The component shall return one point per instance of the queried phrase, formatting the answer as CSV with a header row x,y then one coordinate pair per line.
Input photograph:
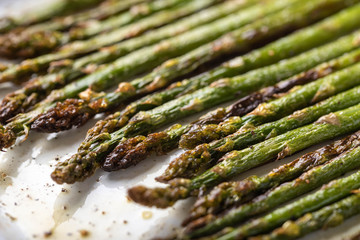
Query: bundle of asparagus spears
x,y
291,69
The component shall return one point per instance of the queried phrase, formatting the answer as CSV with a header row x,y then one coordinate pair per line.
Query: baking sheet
x,y
32,206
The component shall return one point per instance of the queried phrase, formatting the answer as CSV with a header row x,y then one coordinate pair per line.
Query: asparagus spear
x,y
236,162
36,90
135,62
167,140
330,193
308,181
155,80
113,52
77,48
57,8
41,42
147,57
327,217
104,143
136,12
190,163
227,194
201,132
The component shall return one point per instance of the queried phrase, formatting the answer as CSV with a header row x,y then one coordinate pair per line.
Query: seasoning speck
x,y
48,234
147,214
84,233
11,217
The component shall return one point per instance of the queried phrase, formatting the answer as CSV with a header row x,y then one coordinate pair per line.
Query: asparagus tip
x,y
118,159
161,197
11,105
73,170
191,226
27,45
7,138
198,134
149,197
188,164
64,116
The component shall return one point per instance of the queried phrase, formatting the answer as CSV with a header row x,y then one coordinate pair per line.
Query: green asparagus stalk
x,y
146,58
249,61
136,12
113,52
227,194
307,182
159,78
191,163
104,78
38,89
105,10
169,139
330,193
327,217
265,112
77,48
57,8
236,162
142,123
41,42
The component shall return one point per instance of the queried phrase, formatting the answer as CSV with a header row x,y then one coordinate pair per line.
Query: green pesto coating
x,y
307,182
328,217
193,161
77,48
237,162
43,42
36,90
57,8
227,194
330,193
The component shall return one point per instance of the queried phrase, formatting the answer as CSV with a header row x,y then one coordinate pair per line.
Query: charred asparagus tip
x,y
65,115
7,138
198,223
117,160
160,197
28,44
149,197
11,105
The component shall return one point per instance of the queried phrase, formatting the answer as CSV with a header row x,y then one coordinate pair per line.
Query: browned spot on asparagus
x,y
59,118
